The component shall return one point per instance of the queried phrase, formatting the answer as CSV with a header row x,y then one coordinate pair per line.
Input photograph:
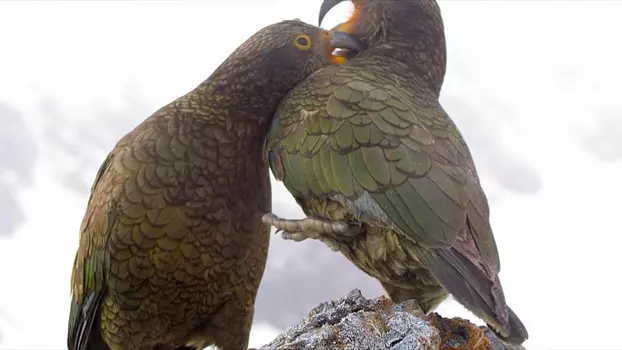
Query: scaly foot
x,y
311,227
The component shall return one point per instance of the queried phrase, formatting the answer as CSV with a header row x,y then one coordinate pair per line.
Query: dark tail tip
x,y
517,330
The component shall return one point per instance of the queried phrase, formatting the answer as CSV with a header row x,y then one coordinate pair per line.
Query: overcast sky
x,y
533,85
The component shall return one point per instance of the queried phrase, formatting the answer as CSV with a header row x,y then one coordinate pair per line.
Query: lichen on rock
x,y
357,323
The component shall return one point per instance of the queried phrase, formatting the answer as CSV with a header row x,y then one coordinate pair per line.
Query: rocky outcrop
x,y
357,323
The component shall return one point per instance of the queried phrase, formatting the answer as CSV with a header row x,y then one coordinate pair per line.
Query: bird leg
x,y
311,227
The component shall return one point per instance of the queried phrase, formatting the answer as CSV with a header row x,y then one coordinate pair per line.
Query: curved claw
x,y
313,228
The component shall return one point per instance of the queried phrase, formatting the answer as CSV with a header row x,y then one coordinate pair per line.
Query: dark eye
x,y
302,42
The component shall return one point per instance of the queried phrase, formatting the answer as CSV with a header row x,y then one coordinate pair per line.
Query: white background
x,y
533,85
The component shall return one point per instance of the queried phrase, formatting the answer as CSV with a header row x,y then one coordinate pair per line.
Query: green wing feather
x,y
358,133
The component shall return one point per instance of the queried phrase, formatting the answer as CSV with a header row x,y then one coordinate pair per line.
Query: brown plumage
x,y
385,175
172,248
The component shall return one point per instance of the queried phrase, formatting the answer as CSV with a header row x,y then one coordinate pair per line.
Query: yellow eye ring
x,y
302,42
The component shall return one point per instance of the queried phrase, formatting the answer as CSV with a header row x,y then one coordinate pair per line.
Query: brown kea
x,y
384,174
172,247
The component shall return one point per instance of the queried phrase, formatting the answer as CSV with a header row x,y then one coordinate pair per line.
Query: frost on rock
x,y
357,323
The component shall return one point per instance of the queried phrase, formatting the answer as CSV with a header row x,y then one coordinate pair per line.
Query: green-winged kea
x,y
172,248
383,173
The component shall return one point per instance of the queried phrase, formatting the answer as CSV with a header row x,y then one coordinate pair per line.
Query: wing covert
x,y
367,136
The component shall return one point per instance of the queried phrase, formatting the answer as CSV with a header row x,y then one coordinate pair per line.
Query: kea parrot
x,y
172,246
382,172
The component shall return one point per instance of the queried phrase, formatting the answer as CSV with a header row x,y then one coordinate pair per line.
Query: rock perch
x,y
357,323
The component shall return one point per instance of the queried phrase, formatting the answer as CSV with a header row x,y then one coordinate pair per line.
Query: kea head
x,y
292,50
410,31
382,20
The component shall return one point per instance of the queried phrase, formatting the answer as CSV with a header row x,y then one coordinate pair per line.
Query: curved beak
x,y
341,40
327,5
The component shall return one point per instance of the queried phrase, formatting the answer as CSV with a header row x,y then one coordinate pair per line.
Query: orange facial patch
x,y
338,59
346,27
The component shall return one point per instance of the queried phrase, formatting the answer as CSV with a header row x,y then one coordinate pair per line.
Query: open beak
x,y
327,5
345,41
345,45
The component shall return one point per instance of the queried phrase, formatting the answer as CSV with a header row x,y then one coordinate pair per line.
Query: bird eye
x,y
302,42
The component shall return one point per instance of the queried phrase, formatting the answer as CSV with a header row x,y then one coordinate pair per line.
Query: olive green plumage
x,y
367,142
172,247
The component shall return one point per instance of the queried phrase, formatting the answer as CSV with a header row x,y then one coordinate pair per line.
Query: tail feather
x,y
83,331
517,332
471,287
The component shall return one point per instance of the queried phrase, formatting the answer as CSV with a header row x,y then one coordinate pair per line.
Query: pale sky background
x,y
533,85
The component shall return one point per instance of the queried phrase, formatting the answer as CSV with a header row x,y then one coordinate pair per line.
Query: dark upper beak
x,y
327,5
341,40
